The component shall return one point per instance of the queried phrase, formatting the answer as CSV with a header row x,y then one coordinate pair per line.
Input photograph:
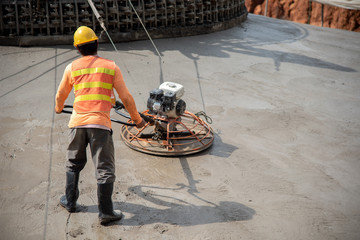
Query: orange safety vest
x,y
93,84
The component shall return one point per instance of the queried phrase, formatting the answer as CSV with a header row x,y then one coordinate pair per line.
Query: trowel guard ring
x,y
179,136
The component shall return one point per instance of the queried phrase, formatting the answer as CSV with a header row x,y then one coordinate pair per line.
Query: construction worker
x,y
93,79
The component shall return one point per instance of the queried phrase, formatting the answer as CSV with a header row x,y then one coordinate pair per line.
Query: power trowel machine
x,y
171,130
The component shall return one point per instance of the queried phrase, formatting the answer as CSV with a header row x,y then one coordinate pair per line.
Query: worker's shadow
x,y
162,205
178,211
181,213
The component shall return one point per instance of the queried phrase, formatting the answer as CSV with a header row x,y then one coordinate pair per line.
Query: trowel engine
x,y
165,101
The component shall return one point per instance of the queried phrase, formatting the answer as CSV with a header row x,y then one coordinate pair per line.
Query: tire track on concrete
x,y
42,74
31,66
50,153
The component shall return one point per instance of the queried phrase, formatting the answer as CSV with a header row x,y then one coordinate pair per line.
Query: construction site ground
x,y
285,164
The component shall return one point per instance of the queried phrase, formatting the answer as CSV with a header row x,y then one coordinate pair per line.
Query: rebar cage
x,y
34,19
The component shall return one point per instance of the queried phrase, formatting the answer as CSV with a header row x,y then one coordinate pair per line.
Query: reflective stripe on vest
x,y
90,97
92,85
92,71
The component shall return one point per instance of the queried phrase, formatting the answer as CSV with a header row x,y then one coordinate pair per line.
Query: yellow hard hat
x,y
84,35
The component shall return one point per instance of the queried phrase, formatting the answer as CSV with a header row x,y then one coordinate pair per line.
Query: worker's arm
x,y
126,98
63,90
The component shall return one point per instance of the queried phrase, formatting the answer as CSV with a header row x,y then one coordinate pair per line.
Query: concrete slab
x,y
284,99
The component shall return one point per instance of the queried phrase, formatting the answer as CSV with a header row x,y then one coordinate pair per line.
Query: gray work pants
x,y
102,152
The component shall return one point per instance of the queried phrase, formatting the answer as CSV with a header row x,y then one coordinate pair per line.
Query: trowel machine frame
x,y
171,130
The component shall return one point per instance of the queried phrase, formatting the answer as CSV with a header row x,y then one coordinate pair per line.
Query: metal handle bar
x,y
119,105
112,119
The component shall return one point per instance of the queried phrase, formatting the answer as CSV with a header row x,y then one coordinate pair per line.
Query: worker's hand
x,y
58,112
148,119
141,124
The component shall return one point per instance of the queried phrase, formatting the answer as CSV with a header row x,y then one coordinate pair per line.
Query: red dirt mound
x,y
298,11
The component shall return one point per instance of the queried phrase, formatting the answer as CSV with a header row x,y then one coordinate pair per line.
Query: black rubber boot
x,y
68,201
106,212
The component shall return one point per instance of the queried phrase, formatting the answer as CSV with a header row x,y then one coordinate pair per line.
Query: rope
x,y
132,6
207,118
101,21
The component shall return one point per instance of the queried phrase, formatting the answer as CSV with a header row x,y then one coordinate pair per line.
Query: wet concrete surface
x,y
284,100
